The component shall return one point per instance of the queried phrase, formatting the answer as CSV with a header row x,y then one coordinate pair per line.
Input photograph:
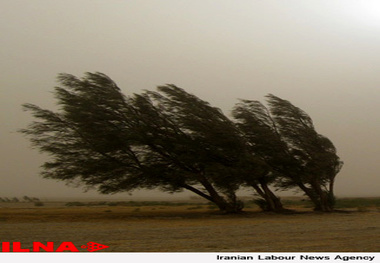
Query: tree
x,y
27,198
220,145
207,144
172,140
315,153
264,142
285,138
103,139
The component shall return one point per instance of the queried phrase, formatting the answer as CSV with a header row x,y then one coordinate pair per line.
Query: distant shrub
x,y
100,203
27,198
38,203
75,204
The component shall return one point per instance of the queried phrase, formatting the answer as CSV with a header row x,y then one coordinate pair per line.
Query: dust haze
x,y
323,56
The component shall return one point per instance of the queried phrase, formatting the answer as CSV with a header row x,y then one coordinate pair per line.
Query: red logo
x,y
92,246
49,247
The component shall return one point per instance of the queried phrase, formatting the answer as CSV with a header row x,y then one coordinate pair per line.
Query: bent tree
x,y
263,141
167,139
210,147
316,154
285,138
171,140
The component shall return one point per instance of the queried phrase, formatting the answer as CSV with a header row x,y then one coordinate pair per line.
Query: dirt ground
x,y
192,229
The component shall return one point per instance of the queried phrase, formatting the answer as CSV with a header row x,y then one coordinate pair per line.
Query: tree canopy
x,y
172,140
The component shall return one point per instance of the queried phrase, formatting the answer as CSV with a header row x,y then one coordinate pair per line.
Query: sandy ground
x,y
192,229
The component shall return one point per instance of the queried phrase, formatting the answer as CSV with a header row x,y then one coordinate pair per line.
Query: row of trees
x,y
16,200
172,140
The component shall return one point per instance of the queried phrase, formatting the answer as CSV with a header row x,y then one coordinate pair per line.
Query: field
x,y
193,227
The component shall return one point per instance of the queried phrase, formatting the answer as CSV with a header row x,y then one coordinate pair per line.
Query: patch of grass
x,y
363,209
154,203
75,204
340,203
132,203
357,202
305,203
195,207
212,206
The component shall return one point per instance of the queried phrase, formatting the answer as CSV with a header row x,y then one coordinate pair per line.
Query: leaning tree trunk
x,y
320,198
323,196
273,202
312,196
331,195
214,198
326,205
234,204
229,207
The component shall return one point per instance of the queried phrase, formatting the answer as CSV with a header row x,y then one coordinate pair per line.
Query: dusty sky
x,y
322,55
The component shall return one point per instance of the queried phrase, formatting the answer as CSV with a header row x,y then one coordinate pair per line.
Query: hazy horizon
x,y
323,56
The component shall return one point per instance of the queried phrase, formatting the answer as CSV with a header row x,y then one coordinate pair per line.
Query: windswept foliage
x,y
168,139
284,137
172,140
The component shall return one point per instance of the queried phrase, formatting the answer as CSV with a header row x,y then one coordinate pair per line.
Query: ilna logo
x,y
49,247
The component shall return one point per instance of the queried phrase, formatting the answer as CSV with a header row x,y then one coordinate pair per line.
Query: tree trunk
x,y
273,202
331,195
325,204
264,196
198,192
313,196
320,198
217,200
223,205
